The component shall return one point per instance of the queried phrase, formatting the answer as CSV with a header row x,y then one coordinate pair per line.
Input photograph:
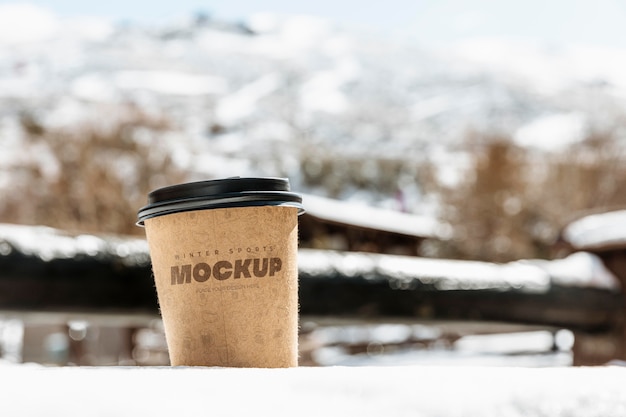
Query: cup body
x,y
227,283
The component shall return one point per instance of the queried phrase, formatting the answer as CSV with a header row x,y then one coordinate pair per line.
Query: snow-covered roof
x,y
406,272
598,231
580,269
48,243
410,272
372,217
401,272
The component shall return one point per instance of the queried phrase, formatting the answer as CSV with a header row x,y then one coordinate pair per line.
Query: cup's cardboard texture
x,y
227,285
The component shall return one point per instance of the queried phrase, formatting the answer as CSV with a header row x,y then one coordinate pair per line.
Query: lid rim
x,y
216,187
219,205
220,193
244,194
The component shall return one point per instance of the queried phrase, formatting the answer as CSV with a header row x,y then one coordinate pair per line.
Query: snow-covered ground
x,y
427,391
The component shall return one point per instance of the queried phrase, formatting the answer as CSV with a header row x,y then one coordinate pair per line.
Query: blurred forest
x,y
95,177
510,203
513,202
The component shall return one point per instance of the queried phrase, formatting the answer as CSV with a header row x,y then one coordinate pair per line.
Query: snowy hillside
x,y
259,97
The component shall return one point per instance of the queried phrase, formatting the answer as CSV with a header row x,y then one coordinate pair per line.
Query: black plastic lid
x,y
227,192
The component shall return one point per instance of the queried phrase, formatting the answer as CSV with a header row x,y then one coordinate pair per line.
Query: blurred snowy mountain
x,y
259,97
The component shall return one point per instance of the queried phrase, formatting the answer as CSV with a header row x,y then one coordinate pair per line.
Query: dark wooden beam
x,y
108,283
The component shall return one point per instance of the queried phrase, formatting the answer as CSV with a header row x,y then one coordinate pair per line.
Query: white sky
x,y
554,21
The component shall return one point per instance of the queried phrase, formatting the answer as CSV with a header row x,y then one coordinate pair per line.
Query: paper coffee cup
x,y
224,258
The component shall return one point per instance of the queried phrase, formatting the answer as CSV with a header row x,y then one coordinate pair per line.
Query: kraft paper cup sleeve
x,y
227,284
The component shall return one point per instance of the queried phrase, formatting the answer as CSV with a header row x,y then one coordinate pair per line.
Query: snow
x,y
70,111
539,341
243,102
107,88
580,269
379,333
373,218
439,343
295,31
332,391
93,87
14,30
48,244
405,272
91,28
597,231
170,82
554,132
533,349
446,358
548,69
322,92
